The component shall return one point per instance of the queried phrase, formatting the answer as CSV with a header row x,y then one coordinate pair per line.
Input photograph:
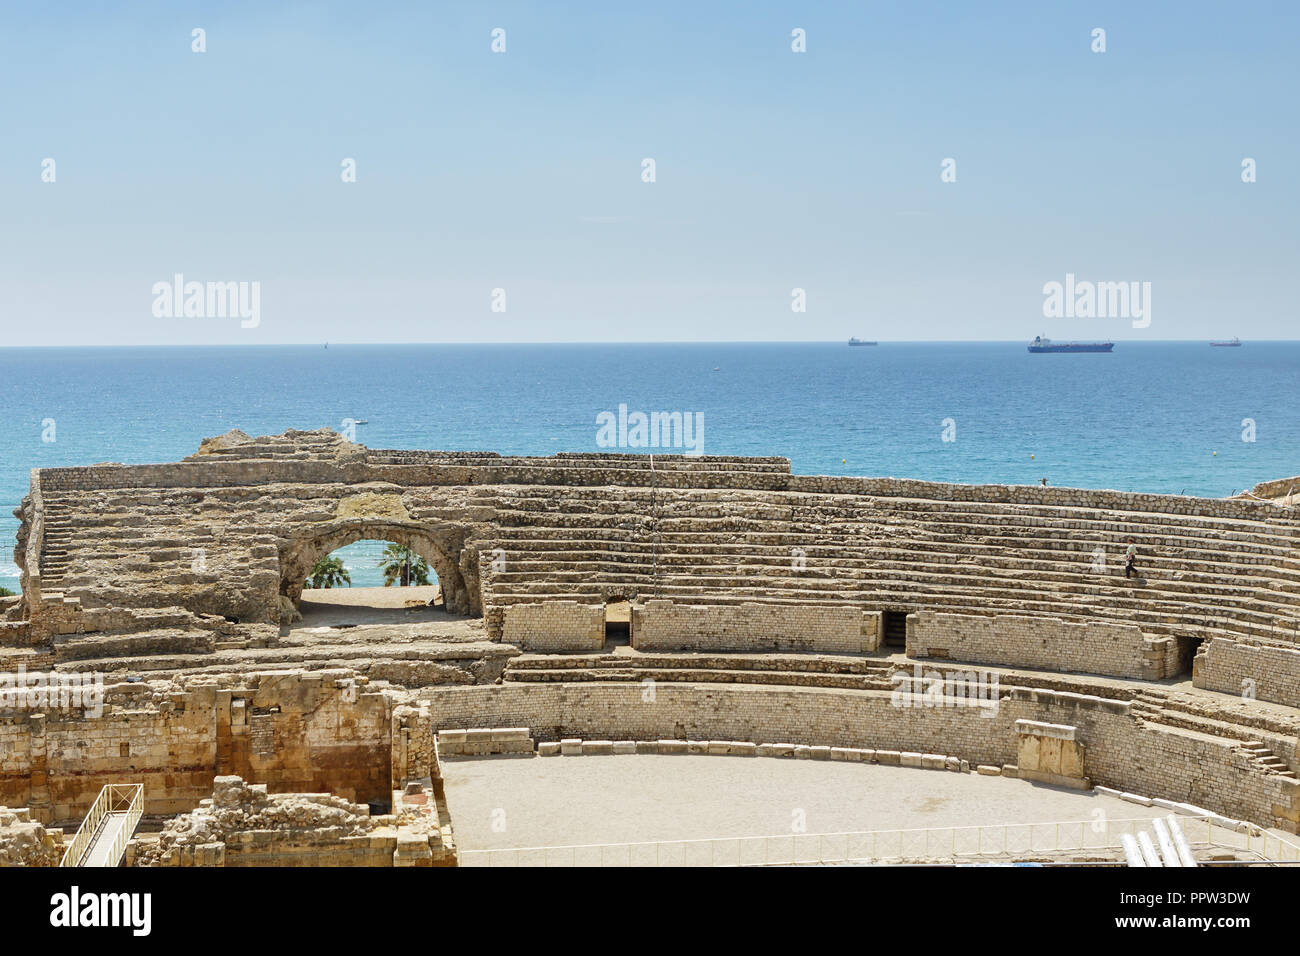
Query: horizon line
x,y
322,345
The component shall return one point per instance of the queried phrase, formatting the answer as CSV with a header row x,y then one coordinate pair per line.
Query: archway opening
x,y
372,573
371,581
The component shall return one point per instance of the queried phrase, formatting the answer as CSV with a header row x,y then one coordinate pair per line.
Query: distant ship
x,y
1233,343
860,342
1040,344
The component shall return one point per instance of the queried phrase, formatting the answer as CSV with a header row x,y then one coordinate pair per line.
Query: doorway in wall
x,y
618,622
894,627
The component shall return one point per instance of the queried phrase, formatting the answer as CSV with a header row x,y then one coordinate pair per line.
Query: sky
x,y
522,170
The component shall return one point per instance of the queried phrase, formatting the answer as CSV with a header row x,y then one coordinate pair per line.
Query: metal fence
x,y
926,845
116,799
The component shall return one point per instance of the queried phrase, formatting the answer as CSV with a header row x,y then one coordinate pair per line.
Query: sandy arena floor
x,y
557,801
329,607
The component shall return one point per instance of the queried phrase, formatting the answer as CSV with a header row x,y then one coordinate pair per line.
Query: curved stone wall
x,y
1123,751
232,530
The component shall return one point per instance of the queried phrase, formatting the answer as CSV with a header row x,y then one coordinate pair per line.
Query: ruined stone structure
x,y
765,608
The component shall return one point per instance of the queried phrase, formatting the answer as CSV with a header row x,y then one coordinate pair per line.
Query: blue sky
x,y
522,170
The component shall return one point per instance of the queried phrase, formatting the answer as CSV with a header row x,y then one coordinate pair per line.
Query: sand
x,y
330,607
557,801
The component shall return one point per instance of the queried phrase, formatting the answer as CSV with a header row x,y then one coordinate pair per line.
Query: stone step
x,y
102,647
767,662
703,676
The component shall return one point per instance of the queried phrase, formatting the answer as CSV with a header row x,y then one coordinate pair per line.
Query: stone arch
x,y
439,544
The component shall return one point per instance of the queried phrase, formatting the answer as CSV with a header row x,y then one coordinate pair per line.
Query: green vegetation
x,y
329,572
403,566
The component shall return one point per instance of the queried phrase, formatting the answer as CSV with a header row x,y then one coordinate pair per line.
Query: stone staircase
x,y
1266,761
787,669
1200,574
55,547
1160,707
1207,569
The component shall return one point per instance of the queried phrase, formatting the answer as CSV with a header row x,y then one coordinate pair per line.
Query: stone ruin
x,y
243,825
769,608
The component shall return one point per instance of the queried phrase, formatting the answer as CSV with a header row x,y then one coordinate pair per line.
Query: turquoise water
x,y
1148,417
361,560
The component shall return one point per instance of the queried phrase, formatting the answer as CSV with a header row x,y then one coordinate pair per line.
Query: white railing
x,y
116,799
932,844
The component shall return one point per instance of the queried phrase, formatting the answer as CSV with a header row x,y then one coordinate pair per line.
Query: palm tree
x,y
5,592
329,572
403,566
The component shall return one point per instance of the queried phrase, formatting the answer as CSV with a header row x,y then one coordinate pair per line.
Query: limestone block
x,y
571,747
1072,758
1049,755
1029,750
909,758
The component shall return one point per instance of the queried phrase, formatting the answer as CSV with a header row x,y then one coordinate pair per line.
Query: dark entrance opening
x,y
894,627
1186,648
618,622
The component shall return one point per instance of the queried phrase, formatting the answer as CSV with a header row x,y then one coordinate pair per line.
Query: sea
x,y
1172,417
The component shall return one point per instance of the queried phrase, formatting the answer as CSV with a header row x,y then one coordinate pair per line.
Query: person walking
x,y
1130,559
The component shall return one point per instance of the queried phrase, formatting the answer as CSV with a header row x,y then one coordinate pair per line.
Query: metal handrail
x,y
927,843
114,798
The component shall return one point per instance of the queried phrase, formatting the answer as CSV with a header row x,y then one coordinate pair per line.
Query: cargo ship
x,y
1040,344
860,342
1233,343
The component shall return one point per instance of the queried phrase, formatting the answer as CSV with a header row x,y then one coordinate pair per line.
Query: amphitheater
x,y
633,608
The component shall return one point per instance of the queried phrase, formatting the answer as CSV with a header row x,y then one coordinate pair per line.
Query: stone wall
x,y
245,826
1050,497
1122,752
625,471
232,529
1094,647
1260,671
665,626
555,626
294,731
536,471
25,842
1277,488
